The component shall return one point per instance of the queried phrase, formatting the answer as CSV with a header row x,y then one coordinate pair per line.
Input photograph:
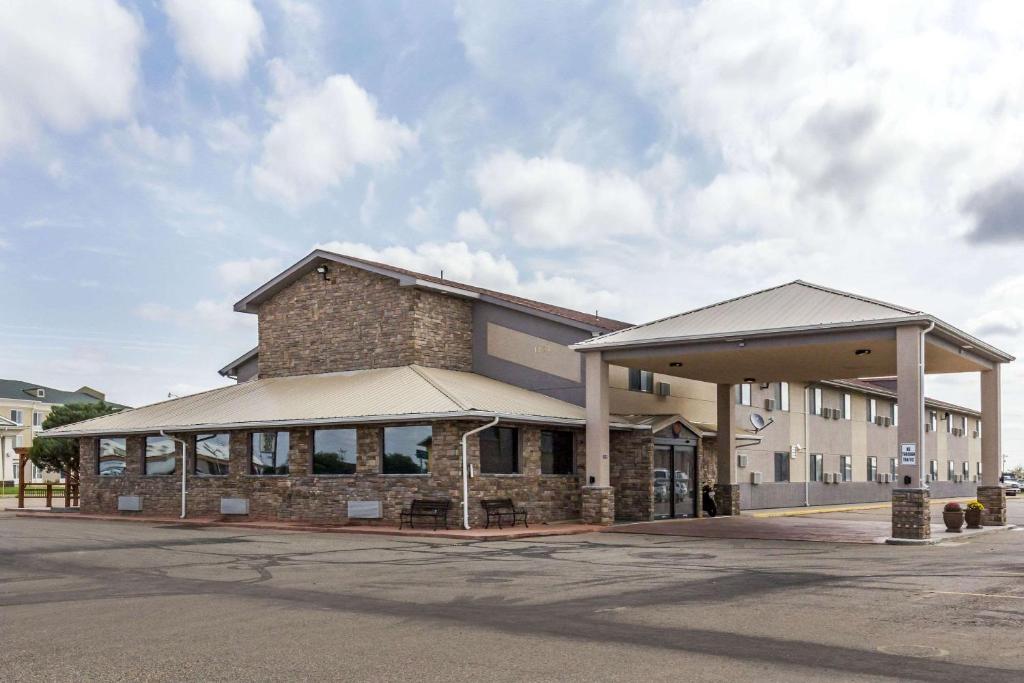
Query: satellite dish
x,y
758,422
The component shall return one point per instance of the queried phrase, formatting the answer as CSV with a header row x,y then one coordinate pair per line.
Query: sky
x,y
161,159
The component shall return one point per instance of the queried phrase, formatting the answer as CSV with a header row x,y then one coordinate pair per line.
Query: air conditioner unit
x,y
836,413
741,459
836,478
878,420
755,477
879,477
887,422
828,477
975,434
769,404
888,477
928,426
663,388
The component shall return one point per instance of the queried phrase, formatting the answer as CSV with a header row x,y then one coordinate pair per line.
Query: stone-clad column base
x,y
911,514
994,500
598,505
727,499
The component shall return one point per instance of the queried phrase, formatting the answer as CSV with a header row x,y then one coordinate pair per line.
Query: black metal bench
x,y
503,509
433,508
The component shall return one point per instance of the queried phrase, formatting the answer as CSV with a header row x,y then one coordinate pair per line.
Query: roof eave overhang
x,y
922,320
233,365
363,419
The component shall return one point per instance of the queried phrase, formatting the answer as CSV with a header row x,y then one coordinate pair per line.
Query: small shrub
x,y
953,507
975,505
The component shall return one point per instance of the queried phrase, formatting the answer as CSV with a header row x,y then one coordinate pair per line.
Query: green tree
x,y
61,455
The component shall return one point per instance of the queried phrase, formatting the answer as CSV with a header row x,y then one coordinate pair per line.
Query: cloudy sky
x,y
158,160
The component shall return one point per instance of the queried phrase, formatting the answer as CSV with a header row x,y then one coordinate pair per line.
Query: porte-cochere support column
x,y
727,490
990,493
911,513
598,496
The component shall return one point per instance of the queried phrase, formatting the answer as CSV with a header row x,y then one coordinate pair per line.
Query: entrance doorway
x,y
675,481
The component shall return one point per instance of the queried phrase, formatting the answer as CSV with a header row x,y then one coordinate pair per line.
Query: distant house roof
x,y
886,388
26,391
796,306
588,321
231,369
404,393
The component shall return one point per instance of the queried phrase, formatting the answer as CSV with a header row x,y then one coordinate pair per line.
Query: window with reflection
x,y
270,453
159,455
499,450
557,452
406,450
334,451
212,454
112,454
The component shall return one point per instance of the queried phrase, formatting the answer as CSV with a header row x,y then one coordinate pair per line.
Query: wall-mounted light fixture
x,y
749,380
862,352
322,269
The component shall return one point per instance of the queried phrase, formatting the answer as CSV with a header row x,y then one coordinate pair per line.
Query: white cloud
x,y
177,148
205,314
549,202
472,227
248,272
218,36
228,135
64,66
321,134
484,269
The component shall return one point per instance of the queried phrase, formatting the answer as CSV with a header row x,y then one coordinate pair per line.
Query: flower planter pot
x,y
954,520
973,518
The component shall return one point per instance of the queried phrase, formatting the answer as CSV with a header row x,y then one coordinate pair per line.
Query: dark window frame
x,y
195,455
145,461
381,440
636,381
517,451
276,466
124,469
846,466
817,467
782,456
355,453
872,462
572,454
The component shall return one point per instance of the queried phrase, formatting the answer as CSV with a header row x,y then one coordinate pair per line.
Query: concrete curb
x,y
947,537
821,510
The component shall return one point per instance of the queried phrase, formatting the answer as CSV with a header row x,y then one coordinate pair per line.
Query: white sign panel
x,y
908,454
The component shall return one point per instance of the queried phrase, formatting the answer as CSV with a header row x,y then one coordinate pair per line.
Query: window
x,y
782,395
407,449
37,419
978,425
892,466
933,420
817,467
950,470
159,457
895,414
641,380
557,453
270,453
847,407
846,467
872,468
816,401
334,451
978,470
949,423
499,450
933,470
872,409
782,467
111,457
17,417
963,424
743,394
966,470
212,453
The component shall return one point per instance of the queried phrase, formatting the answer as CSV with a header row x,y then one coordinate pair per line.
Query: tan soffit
x,y
397,394
533,352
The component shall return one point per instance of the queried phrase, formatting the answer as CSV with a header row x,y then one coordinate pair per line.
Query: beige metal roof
x,y
387,394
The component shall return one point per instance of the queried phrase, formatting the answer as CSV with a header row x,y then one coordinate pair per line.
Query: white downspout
x,y
184,466
465,470
807,446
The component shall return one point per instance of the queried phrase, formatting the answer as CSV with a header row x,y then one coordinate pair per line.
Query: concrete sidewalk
x,y
825,509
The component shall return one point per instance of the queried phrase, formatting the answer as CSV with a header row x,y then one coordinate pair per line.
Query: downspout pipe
x,y
807,445
184,466
465,470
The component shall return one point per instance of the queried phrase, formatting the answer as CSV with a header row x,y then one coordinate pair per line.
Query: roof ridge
x,y
421,371
858,297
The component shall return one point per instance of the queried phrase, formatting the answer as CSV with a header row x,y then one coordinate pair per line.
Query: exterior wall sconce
x,y
322,269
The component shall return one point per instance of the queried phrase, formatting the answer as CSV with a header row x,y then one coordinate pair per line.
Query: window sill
x,y
332,476
266,476
397,474
204,475
158,476
501,474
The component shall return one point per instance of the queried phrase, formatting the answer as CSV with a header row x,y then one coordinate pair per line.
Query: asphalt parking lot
x,y
85,600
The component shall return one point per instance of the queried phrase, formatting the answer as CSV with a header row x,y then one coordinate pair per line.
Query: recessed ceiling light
x,y
749,380
675,364
862,352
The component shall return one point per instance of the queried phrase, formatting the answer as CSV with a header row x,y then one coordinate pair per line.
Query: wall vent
x,y
129,503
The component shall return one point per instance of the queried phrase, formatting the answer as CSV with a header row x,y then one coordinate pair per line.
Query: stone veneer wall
x,y
302,496
359,320
631,466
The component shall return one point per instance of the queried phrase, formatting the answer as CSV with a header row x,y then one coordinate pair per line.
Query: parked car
x,y
1011,485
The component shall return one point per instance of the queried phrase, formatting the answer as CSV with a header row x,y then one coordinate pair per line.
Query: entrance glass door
x,y
674,478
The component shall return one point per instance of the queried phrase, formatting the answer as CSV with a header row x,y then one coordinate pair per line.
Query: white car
x,y
1012,486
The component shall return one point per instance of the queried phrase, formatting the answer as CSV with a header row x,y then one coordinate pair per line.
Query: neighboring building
x,y
23,408
366,376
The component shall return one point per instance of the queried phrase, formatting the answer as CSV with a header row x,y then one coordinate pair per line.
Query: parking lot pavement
x,y
90,600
